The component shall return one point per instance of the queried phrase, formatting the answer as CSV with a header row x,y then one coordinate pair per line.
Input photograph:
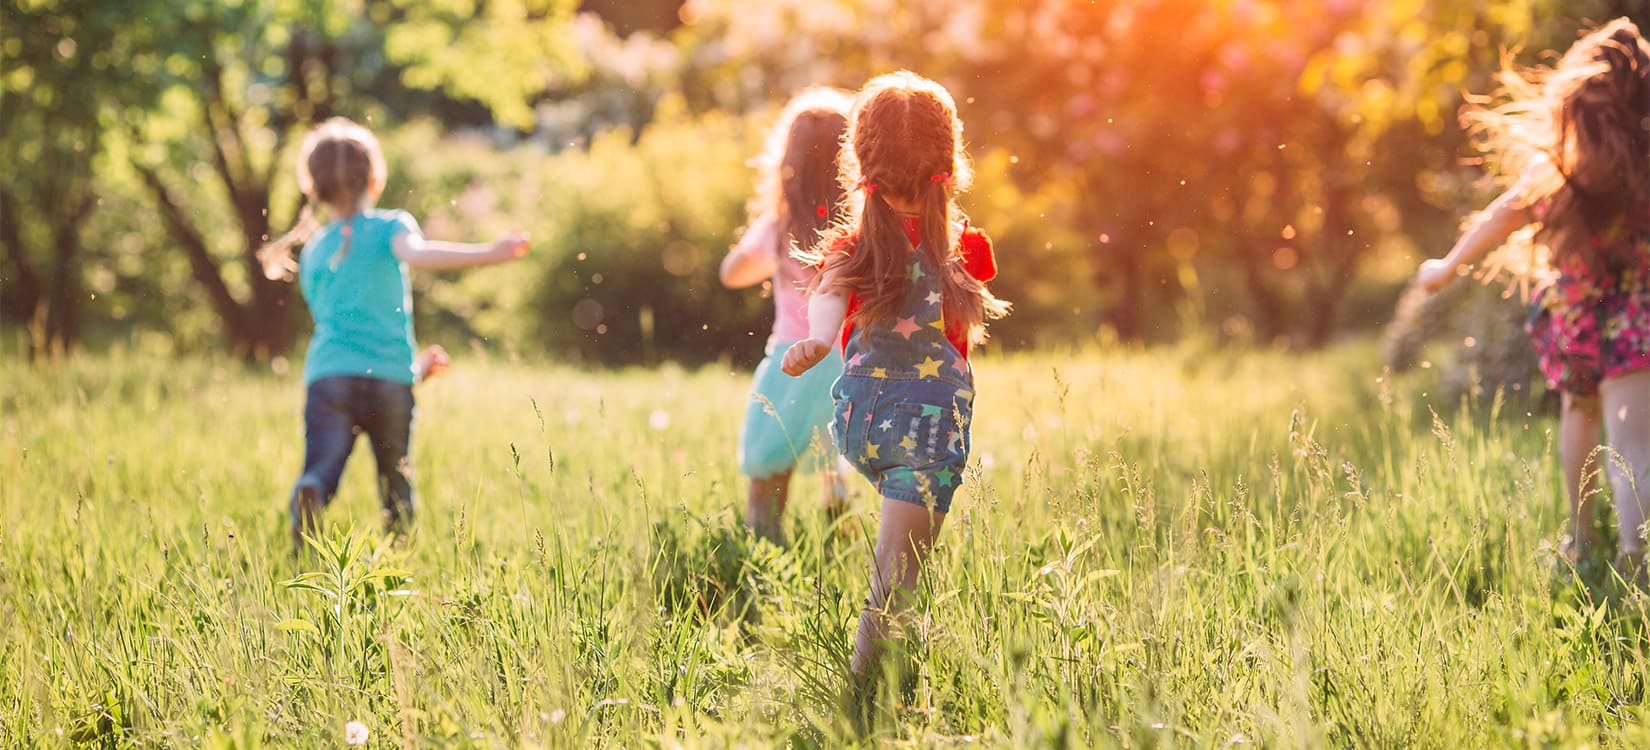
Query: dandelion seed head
x,y
355,734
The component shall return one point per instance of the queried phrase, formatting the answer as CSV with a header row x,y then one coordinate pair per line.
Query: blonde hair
x,y
1577,136
906,142
340,167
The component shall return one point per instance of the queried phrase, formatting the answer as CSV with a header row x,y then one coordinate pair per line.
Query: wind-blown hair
x,y
1577,136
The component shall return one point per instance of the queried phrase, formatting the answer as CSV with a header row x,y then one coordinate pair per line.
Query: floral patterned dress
x,y
1589,326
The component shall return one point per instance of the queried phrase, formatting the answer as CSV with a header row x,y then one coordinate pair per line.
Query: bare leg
x,y
1578,431
907,533
1626,412
765,508
836,488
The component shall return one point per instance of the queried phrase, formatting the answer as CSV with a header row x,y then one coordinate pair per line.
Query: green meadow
x,y
1155,547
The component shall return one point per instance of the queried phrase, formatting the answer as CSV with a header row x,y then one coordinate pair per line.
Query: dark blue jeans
x,y
339,408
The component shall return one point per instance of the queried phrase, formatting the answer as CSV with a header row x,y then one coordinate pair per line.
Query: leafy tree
x,y
200,92
52,125
239,80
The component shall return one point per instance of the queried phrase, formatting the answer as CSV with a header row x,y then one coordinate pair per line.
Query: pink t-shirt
x,y
790,307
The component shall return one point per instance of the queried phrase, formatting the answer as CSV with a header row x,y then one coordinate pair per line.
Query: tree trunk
x,y
201,263
1268,309
19,284
1126,316
1341,253
270,327
66,293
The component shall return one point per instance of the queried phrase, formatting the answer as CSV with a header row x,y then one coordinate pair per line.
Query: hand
x,y
511,246
431,362
278,265
1435,274
803,355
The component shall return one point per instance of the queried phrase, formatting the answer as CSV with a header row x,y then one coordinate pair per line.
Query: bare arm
x,y
438,255
751,261
826,311
743,267
1504,216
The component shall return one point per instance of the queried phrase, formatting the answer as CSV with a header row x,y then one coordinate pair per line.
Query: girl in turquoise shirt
x,y
360,367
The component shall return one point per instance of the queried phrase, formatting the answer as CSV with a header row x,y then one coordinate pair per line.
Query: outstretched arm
x,y
752,260
1504,216
825,313
742,269
437,255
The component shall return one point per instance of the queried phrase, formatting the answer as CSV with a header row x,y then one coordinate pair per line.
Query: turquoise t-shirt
x,y
361,301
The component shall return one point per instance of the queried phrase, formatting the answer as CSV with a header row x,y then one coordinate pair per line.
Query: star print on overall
x,y
906,397
913,344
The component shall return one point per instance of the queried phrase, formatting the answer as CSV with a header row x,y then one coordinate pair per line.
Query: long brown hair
x,y
1579,134
906,142
341,168
797,180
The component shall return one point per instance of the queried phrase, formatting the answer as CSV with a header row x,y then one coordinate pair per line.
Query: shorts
x,y
1586,332
785,417
909,437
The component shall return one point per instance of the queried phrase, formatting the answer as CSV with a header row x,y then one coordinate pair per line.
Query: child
x,y
798,199
1579,137
910,287
360,369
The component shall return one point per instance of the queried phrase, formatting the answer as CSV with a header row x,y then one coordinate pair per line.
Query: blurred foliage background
x,y
1243,171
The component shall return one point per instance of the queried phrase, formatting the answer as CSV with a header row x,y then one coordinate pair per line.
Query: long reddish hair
x,y
1579,134
906,143
797,172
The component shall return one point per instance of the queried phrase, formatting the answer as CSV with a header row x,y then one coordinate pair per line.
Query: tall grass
x,y
1169,547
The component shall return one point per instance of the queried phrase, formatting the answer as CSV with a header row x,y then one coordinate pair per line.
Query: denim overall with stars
x,y
905,399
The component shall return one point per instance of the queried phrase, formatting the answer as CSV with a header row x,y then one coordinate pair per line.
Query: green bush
x,y
639,224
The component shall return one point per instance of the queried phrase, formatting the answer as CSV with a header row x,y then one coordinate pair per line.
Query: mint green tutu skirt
x,y
787,420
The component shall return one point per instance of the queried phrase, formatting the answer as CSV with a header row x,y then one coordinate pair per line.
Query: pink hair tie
x,y
867,185
941,177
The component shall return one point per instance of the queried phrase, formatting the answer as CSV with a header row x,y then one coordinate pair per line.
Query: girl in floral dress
x,y
1578,137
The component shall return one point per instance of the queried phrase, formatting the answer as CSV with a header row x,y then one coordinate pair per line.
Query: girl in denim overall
x,y
1577,136
902,290
360,368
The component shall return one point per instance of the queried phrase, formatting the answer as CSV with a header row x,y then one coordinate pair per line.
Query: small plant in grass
x,y
359,593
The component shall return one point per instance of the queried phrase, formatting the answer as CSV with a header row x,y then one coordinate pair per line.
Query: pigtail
x,y
967,302
346,164
276,257
878,260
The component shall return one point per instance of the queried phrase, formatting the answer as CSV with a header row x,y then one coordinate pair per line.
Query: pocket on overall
x,y
851,397
920,434
841,411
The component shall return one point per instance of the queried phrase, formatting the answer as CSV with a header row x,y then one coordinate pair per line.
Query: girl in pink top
x,y
798,199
